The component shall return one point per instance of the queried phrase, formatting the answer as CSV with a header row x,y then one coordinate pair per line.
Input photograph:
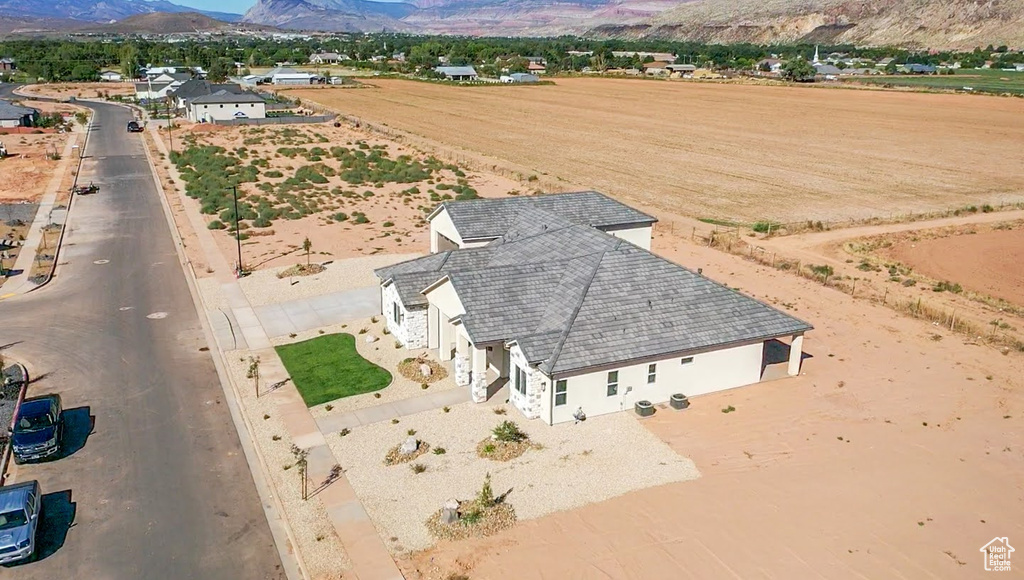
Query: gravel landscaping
x,y
383,353
263,287
321,550
614,450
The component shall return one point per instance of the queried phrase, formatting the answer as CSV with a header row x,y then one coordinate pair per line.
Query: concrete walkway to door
x,y
393,410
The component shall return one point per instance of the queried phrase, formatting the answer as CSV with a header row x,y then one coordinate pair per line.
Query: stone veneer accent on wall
x,y
462,368
413,331
534,382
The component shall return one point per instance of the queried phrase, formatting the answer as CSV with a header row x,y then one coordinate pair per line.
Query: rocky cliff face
x,y
334,15
958,24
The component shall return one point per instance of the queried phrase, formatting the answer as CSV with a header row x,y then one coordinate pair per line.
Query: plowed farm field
x,y
725,151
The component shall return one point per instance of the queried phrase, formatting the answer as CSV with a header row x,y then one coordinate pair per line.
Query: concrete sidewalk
x,y
19,282
294,316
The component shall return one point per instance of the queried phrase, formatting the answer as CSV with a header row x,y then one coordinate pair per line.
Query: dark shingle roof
x,y
11,111
201,87
223,96
575,298
491,218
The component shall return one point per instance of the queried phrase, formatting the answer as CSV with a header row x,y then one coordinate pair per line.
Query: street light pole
x,y
238,237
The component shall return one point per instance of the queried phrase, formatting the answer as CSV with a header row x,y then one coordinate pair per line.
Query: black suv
x,y
38,429
134,127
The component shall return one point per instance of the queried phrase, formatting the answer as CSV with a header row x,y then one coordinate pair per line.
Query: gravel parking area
x,y
382,353
579,464
263,287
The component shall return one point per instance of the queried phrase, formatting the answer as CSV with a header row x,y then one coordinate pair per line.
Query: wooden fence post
x,y
885,296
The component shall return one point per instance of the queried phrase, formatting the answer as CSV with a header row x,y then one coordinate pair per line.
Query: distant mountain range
x,y
96,10
961,24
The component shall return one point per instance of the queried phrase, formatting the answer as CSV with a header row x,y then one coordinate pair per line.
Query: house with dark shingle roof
x,y
197,87
12,115
558,297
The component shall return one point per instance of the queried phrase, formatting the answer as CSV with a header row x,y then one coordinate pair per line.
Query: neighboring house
x,y
325,58
110,76
657,67
7,65
457,73
536,67
885,62
155,71
224,105
290,76
574,319
918,69
154,91
519,78
827,70
771,64
681,69
12,115
200,87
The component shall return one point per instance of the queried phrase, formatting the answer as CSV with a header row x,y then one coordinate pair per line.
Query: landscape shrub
x,y
215,225
360,218
273,173
946,286
764,227
509,432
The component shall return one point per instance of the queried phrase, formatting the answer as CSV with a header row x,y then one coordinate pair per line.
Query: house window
x,y
396,313
560,392
652,374
520,381
686,360
613,383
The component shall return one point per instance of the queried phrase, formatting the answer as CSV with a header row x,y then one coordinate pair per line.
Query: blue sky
x,y
236,6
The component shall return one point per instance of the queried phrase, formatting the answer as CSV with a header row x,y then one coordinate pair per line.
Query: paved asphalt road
x,y
155,485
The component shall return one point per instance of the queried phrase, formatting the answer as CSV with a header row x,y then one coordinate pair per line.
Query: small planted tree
x,y
254,373
509,432
301,462
306,247
486,496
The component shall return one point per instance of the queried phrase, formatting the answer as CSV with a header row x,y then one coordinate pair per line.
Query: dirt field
x,y
393,211
28,170
80,90
725,151
986,262
896,454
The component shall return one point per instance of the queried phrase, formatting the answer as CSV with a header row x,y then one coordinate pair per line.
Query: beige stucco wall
x,y
442,225
640,237
709,372
226,111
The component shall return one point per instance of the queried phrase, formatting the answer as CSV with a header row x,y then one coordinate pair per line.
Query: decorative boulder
x,y
409,446
370,339
425,370
452,504
449,516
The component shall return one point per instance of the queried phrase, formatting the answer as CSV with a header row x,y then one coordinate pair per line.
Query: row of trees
x,y
75,60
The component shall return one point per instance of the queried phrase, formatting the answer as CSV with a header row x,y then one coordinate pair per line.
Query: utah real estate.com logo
x,y
997,554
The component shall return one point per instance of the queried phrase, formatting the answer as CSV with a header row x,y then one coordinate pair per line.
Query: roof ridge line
x,y
575,312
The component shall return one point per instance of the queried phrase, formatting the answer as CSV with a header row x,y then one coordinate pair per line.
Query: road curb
x,y
67,218
265,486
6,457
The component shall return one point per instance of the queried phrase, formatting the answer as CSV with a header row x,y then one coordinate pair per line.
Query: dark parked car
x,y
19,520
38,429
134,127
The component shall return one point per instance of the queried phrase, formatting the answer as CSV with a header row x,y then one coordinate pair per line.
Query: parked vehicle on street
x,y
134,127
20,505
38,429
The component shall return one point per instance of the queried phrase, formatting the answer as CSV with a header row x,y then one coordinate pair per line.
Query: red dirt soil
x,y
987,263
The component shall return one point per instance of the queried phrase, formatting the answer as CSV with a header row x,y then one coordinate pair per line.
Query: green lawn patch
x,y
328,367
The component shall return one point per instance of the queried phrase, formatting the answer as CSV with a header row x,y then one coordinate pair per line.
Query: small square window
x,y
686,360
561,392
652,373
613,383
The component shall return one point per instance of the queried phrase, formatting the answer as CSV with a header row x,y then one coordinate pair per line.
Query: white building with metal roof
x,y
558,297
